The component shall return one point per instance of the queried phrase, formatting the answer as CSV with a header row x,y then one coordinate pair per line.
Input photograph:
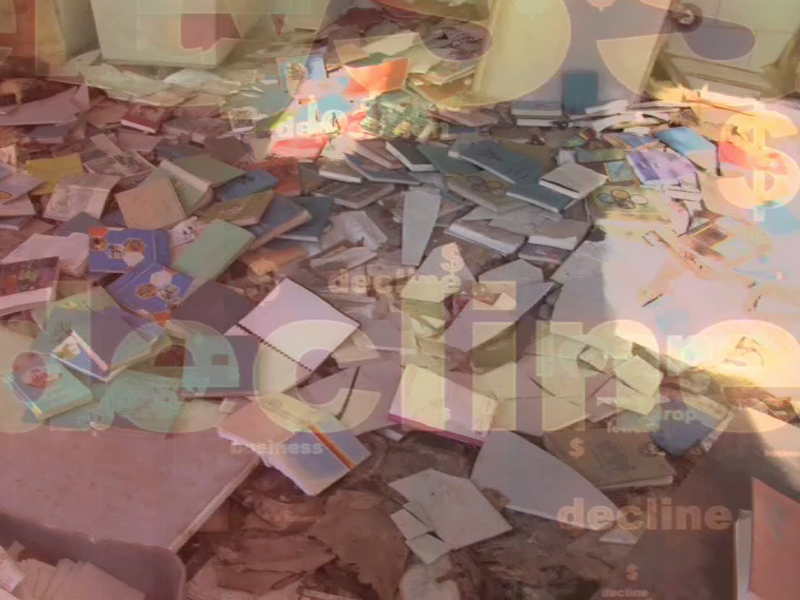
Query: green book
x,y
208,169
242,212
192,194
213,251
46,387
57,320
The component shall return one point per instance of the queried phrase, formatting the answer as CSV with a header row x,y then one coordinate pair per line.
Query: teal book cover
x,y
214,250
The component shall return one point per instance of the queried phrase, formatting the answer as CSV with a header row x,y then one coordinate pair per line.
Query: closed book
x,y
444,163
213,251
580,91
281,216
376,173
690,144
27,284
339,170
247,184
319,207
214,172
543,255
408,153
611,459
541,196
565,234
377,152
145,118
242,212
151,205
287,172
119,250
80,193
151,290
109,339
573,180
533,108
355,196
45,386
501,162
211,305
482,233
484,189
192,192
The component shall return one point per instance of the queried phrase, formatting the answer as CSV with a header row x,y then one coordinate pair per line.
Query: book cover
x,y
580,91
444,163
213,251
355,196
211,305
611,459
545,255
287,172
109,339
192,192
377,152
543,197
573,180
119,250
27,283
339,170
376,173
80,223
46,387
484,189
294,70
214,172
152,205
151,290
307,149
17,185
408,153
654,167
53,170
251,182
146,118
319,207
501,162
71,353
281,216
242,212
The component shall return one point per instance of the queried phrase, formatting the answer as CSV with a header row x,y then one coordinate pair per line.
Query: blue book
x,y
319,207
690,144
505,164
680,427
120,250
151,290
580,91
248,184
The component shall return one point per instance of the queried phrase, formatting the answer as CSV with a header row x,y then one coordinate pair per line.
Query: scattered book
x,y
72,251
690,144
654,167
213,251
479,232
501,162
543,255
192,192
272,423
573,180
247,184
439,157
27,284
339,170
208,170
119,250
541,196
374,172
75,194
484,190
537,109
146,118
580,91
21,207
377,152
565,234
242,212
287,172
151,205
355,196
298,331
319,207
281,216
151,290
212,305
45,386
611,460
409,154
306,149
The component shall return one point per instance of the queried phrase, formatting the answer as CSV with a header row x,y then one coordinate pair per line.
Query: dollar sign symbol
x,y
632,573
775,175
576,448
452,259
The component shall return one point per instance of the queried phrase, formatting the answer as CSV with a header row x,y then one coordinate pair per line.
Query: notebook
x,y
298,331
213,251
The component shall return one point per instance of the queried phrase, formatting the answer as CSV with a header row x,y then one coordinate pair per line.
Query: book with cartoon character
x,y
120,250
27,284
151,290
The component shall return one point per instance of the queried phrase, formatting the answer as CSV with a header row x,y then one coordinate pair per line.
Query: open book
x,y
298,331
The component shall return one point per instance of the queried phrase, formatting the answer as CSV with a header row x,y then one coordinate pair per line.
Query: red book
x,y
307,149
146,118
287,172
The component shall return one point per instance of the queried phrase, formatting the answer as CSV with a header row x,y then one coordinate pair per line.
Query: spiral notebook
x,y
298,332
